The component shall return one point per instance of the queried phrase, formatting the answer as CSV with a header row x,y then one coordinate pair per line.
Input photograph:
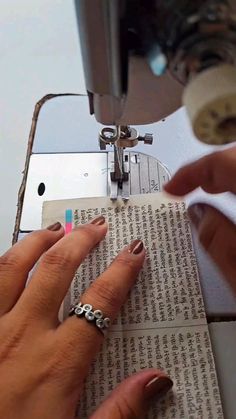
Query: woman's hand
x,y
43,364
214,173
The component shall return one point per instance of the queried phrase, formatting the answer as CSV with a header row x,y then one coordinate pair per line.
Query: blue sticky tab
x,y
68,216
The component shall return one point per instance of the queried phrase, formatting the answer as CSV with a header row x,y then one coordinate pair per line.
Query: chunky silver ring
x,y
91,315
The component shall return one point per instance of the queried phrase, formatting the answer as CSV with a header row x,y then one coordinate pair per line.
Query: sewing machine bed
x,y
64,161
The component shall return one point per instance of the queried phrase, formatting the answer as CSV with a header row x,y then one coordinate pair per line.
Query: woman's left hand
x,y
43,364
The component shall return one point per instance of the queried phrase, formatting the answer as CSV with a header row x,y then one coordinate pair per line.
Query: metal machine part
x,y
203,35
121,137
84,175
130,48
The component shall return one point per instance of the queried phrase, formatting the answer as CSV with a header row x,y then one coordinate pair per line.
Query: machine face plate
x,y
81,175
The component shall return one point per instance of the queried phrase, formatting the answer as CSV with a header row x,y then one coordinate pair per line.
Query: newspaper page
x,y
163,323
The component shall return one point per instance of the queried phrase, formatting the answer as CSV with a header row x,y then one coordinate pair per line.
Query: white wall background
x,y
39,53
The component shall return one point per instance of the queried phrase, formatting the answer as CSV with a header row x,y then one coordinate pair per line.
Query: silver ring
x,y
95,316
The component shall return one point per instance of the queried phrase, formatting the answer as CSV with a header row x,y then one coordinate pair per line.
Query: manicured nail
x,y
98,221
136,247
54,227
158,387
196,213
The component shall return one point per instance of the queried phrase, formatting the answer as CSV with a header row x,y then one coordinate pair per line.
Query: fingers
x,y
215,173
17,262
217,234
132,398
107,293
110,290
55,271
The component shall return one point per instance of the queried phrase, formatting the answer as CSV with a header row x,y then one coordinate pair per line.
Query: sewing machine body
x,y
142,60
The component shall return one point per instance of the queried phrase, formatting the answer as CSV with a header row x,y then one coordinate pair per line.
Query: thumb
x,y
217,234
131,399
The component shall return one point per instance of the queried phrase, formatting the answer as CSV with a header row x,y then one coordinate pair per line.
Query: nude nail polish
x,y
54,227
158,387
136,247
98,221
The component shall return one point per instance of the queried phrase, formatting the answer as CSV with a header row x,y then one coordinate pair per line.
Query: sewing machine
x,y
138,71
142,60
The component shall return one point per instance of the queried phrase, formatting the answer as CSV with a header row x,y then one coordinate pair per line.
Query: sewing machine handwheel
x,y
210,100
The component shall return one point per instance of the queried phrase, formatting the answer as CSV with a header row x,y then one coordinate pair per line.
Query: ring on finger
x,y
93,316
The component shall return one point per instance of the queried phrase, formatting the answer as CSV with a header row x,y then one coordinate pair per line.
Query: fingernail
x,y
54,227
196,213
158,387
136,247
98,221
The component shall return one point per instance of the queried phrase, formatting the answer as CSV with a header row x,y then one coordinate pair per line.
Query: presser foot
x,y
121,137
146,175
119,179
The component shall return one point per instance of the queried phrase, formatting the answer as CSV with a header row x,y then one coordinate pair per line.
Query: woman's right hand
x,y
214,173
